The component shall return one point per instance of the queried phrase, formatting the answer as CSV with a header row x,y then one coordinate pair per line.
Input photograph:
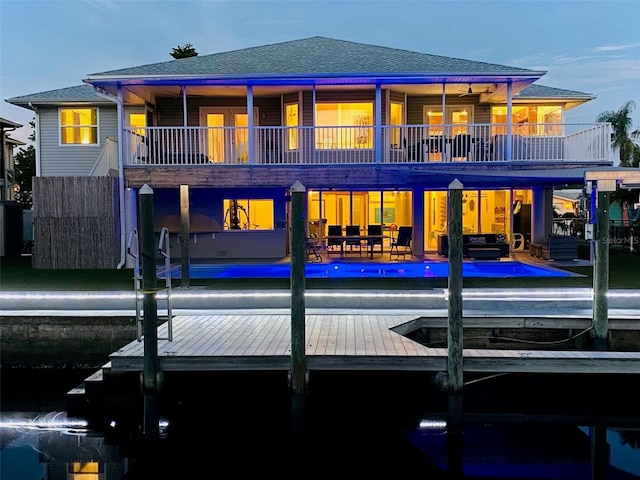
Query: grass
x,y
16,274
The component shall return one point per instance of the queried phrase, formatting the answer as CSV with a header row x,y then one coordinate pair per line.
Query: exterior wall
x,y
71,160
170,110
228,244
76,222
254,244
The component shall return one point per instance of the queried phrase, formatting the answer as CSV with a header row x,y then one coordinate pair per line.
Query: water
x,y
492,269
380,424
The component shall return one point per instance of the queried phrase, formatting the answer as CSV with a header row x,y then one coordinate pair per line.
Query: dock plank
x,y
346,342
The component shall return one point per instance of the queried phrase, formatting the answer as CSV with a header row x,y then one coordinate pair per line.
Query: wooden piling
x,y
298,358
150,309
601,274
454,331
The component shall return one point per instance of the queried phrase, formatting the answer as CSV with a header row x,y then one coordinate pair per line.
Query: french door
x,y
456,119
227,135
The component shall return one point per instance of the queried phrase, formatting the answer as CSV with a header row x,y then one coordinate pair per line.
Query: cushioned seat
x,y
478,241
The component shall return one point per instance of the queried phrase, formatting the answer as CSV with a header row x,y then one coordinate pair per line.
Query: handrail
x,y
132,250
137,278
218,146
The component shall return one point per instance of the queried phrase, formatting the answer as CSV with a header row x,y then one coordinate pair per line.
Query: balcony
x,y
420,144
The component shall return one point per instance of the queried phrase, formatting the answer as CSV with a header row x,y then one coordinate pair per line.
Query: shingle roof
x,y
315,56
310,57
4,123
535,91
79,93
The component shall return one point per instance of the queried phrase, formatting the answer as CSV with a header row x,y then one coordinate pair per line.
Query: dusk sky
x,y
588,46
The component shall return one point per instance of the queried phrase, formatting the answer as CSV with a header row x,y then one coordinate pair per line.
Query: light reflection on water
x,y
356,427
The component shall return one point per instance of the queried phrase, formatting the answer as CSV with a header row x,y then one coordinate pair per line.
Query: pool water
x,y
485,269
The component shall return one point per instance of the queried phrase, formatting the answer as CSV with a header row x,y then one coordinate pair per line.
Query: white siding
x,y
72,160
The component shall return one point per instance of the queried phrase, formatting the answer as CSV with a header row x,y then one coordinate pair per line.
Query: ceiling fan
x,y
464,93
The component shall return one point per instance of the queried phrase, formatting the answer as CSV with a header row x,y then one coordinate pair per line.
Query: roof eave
x,y
54,103
316,78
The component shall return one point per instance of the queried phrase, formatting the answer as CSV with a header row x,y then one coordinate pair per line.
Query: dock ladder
x,y
163,250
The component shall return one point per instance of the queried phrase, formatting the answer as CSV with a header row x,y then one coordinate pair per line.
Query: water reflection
x,y
513,427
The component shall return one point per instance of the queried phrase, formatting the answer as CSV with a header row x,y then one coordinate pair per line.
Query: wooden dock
x,y
248,341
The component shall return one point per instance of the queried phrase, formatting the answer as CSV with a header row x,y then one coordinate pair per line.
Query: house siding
x,y
170,111
72,160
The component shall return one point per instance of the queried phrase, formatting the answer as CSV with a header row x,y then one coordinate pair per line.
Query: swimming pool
x,y
485,269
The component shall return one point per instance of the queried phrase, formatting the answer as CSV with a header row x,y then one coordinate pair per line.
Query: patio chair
x,y
461,146
353,230
334,231
371,242
312,247
401,245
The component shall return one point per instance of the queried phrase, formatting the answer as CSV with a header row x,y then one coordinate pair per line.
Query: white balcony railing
x,y
165,146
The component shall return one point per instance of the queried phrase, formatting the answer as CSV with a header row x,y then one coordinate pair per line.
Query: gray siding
x,y
72,160
170,109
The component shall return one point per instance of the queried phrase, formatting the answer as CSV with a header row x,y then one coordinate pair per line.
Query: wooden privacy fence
x,y
76,222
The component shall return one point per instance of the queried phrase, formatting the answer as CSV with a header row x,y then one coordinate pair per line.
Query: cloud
x,y
100,5
615,48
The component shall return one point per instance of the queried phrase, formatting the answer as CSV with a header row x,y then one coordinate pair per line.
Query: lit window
x,y
84,471
528,120
396,117
79,126
344,125
291,112
138,121
245,214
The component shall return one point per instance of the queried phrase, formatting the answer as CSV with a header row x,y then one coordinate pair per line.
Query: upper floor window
x,y
138,122
396,117
344,125
291,112
79,126
528,120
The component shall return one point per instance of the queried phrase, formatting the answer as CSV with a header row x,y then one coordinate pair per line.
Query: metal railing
x,y
167,146
163,250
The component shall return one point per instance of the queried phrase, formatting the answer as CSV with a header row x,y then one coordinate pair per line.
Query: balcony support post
x,y
509,120
378,123
250,125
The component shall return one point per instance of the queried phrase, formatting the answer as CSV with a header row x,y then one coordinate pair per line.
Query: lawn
x,y
16,274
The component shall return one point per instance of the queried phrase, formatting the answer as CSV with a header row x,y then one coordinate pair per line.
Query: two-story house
x,y
375,134
8,144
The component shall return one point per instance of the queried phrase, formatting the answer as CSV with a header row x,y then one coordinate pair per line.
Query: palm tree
x,y
184,52
623,140
627,143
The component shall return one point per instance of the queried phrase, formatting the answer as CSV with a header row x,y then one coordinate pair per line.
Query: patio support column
x,y
601,273
455,330
540,219
298,342
184,235
150,306
417,200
